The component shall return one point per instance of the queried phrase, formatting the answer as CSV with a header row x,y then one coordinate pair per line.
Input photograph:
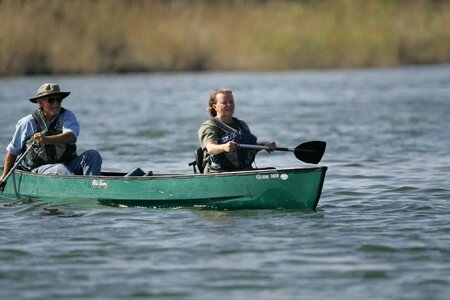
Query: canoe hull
x,y
293,188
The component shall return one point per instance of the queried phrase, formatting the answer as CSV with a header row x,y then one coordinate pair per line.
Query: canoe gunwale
x,y
175,176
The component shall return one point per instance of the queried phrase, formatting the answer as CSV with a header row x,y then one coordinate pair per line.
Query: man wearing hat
x,y
52,132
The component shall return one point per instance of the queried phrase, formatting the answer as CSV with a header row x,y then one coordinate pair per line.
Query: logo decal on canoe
x,y
99,184
284,176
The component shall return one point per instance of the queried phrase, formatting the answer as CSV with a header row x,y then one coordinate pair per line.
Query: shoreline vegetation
x,y
114,36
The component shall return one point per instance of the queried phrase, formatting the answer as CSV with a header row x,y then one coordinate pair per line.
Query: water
x,y
381,231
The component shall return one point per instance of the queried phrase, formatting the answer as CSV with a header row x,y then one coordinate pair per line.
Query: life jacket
x,y
239,159
42,154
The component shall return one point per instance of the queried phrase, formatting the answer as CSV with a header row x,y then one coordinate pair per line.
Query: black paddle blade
x,y
310,152
2,186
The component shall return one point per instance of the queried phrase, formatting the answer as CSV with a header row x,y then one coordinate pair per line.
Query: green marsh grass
x,y
81,36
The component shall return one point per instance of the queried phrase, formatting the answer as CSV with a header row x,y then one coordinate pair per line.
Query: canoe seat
x,y
198,161
139,172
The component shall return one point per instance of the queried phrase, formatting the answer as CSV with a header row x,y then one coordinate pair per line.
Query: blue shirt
x,y
27,126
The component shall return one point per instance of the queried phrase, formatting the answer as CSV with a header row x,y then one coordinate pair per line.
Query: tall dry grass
x,y
81,36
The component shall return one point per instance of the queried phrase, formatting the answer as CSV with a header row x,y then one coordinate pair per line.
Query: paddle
x,y
18,161
308,152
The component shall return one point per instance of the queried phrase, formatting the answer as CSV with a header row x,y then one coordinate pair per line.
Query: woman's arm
x,y
216,149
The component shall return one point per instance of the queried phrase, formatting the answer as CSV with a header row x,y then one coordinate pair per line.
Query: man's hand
x,y
39,138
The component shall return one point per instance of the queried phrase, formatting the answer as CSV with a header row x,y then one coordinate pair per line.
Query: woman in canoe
x,y
221,135
52,132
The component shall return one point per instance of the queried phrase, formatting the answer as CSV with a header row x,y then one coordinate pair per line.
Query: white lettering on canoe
x,y
267,176
99,184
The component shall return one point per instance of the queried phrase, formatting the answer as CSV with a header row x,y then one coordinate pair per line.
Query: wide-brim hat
x,y
49,89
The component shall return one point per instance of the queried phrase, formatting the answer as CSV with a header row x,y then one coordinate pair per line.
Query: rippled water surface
x,y
381,230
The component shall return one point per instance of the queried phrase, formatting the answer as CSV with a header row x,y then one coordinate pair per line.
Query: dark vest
x,y
241,158
49,154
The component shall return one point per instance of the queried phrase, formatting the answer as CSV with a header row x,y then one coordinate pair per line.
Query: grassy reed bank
x,y
80,36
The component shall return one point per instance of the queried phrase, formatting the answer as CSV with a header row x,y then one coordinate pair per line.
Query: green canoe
x,y
291,188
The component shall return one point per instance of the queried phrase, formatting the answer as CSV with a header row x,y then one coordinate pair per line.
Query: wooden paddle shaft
x,y
19,160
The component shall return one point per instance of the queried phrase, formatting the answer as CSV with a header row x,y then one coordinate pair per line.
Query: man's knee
x,y
92,155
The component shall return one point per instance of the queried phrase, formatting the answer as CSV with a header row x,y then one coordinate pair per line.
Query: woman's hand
x,y
272,146
230,146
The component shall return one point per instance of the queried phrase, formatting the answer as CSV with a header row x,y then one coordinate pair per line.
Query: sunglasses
x,y
52,100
